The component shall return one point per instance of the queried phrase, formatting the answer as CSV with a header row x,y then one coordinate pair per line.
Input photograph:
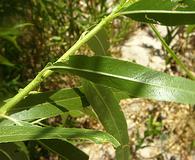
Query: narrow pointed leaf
x,y
53,103
49,104
167,12
64,149
24,133
104,102
109,113
139,81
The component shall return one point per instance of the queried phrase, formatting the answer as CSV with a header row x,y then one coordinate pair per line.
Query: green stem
x,y
45,73
172,53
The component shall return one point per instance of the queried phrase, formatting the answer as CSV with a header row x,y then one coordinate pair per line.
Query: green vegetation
x,y
104,80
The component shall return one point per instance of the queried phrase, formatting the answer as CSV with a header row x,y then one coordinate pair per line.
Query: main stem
x,y
45,73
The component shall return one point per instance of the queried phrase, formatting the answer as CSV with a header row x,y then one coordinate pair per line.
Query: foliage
x,y
22,117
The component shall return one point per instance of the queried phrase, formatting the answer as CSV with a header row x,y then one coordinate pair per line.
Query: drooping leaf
x,y
110,115
24,133
104,102
64,149
166,12
139,81
13,151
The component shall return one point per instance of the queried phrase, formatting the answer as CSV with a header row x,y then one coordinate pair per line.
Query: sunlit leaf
x,y
167,12
139,81
104,102
24,133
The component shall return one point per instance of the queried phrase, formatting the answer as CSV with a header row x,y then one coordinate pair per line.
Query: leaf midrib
x,y
101,45
107,107
118,76
157,11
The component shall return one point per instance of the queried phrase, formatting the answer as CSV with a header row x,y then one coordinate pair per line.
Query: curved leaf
x,y
139,81
105,103
167,12
24,133
110,115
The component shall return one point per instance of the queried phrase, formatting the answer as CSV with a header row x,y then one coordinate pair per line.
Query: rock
x,y
142,48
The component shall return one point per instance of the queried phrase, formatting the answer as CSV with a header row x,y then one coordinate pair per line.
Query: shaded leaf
x,y
53,103
24,133
139,81
167,12
64,149
13,151
49,104
99,44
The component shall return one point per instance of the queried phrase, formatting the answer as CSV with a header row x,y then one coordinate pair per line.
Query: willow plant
x,y
105,81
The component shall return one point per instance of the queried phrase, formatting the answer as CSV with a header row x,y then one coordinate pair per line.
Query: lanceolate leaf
x,y
13,151
48,104
167,12
139,81
64,149
105,104
53,103
109,112
24,133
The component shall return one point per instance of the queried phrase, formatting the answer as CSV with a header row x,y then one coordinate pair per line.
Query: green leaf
x,y
99,44
13,151
166,12
24,133
53,103
64,149
109,112
5,61
104,102
139,81
49,104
